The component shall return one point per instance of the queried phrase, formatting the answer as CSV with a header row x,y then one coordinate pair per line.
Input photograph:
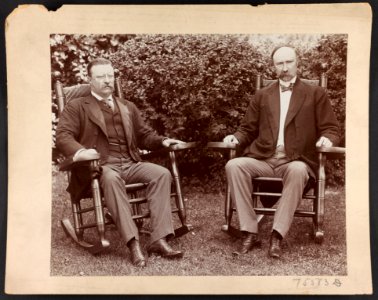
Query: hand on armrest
x,y
168,142
231,139
80,156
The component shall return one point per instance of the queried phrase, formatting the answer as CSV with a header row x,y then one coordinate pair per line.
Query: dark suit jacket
x,y
82,125
309,117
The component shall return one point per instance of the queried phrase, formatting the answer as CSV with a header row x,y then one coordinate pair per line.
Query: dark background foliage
x,y
197,87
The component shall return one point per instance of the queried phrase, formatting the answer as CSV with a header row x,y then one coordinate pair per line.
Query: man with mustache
x,y
114,128
281,129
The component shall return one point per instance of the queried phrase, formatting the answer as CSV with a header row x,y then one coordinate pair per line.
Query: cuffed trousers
x,y
240,172
114,175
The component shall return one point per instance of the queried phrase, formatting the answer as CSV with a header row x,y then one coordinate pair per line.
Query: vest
x,y
116,133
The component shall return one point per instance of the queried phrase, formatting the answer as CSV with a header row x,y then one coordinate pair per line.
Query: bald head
x,y
285,62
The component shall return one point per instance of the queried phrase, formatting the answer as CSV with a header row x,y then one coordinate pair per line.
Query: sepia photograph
x,y
205,150
197,89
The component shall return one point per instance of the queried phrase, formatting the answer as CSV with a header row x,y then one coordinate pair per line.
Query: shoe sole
x,y
258,244
274,256
175,256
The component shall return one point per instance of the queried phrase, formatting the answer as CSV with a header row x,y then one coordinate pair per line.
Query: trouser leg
x,y
239,172
158,195
116,201
295,175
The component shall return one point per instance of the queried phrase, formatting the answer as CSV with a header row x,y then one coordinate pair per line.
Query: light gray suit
x,y
309,117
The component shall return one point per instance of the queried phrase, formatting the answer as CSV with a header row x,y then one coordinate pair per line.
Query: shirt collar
x,y
285,83
99,98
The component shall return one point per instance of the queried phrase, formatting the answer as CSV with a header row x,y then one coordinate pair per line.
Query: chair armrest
x,y
332,152
221,145
233,149
183,146
174,148
68,164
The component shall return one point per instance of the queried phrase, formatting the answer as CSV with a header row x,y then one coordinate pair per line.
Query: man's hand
x,y
231,139
168,142
324,142
85,154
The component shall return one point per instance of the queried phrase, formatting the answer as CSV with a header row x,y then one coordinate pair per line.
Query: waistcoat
x,y
116,132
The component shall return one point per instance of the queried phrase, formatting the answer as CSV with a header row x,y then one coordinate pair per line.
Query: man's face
x,y
101,80
285,62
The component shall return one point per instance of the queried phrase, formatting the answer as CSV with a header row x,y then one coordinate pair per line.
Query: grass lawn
x,y
207,249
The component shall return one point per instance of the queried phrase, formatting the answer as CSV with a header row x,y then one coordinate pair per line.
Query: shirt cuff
x,y
74,158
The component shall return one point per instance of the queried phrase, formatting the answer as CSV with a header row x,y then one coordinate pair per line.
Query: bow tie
x,y
286,88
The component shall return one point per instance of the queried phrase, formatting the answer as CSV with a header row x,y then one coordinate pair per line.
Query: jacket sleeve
x,y
327,124
146,137
248,129
68,130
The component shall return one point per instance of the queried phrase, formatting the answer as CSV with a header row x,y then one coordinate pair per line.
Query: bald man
x,y
283,125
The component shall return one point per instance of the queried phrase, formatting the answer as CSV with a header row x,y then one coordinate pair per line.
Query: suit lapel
x,y
93,109
273,103
126,120
296,101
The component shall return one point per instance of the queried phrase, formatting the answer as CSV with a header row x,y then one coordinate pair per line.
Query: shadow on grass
x,y
207,249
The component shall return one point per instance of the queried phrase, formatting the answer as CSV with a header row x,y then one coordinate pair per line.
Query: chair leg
x,y
255,200
78,220
319,201
100,220
76,232
137,210
185,228
318,218
228,211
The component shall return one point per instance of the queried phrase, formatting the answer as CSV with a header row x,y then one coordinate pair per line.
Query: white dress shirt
x,y
109,100
284,107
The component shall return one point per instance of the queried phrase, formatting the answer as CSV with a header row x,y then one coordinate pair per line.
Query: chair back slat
x,y
66,94
76,91
322,81
58,87
118,85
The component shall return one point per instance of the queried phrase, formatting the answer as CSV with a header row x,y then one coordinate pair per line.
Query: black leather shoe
x,y
249,241
137,257
161,247
275,246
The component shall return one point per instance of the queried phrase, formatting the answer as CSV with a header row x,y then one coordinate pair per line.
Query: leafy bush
x,y
197,87
191,87
332,50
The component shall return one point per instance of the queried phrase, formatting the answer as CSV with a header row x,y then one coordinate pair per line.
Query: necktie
x,y
109,103
286,88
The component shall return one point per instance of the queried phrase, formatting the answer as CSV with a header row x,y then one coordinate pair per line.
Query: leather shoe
x,y
137,257
275,246
161,247
249,241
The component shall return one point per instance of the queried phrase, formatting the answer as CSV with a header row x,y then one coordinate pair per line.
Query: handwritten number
x,y
316,282
337,282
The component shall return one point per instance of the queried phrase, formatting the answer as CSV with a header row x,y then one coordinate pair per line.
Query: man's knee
x,y
233,165
161,173
109,176
166,173
297,169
